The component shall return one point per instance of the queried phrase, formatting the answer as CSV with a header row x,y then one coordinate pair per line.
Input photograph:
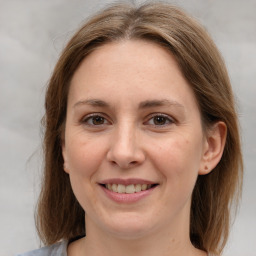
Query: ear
x,y
64,155
214,144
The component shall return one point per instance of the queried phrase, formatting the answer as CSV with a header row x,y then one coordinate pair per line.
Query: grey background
x,y
32,34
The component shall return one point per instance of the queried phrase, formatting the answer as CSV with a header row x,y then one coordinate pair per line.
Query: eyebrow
x,y
92,102
143,105
159,103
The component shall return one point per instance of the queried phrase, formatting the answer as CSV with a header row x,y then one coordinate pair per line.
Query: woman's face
x,y
133,142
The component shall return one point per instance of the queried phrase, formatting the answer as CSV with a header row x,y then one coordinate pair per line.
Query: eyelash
x,y
89,118
165,117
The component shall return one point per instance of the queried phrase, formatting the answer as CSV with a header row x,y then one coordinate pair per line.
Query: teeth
x,y
114,187
129,189
120,188
137,188
143,186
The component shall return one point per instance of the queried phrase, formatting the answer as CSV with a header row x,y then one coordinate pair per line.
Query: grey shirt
x,y
58,249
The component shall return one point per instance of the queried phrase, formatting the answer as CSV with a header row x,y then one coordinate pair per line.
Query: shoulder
x,y
58,249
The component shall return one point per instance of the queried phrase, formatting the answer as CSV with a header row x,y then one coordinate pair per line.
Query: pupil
x,y
98,120
159,120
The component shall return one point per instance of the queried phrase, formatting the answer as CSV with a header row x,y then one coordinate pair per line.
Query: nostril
x,y
125,165
113,162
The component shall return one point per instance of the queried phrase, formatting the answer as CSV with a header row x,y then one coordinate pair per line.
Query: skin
x,y
121,83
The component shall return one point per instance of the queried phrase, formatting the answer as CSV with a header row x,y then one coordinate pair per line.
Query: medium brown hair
x,y
59,215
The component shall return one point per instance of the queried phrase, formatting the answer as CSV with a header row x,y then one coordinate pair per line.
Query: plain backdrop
x,y
32,34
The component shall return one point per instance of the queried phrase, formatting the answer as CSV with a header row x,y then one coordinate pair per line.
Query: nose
x,y
125,149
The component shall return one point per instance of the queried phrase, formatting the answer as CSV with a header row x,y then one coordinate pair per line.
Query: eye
x,y
95,120
160,120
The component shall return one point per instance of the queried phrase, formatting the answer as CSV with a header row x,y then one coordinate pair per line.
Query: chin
x,y
131,227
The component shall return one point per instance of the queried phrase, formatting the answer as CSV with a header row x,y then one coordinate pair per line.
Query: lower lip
x,y
127,198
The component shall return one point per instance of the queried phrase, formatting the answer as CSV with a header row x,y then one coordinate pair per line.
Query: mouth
x,y
128,189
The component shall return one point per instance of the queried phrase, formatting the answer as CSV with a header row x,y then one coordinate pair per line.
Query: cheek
x,y
177,162
83,157
83,161
178,159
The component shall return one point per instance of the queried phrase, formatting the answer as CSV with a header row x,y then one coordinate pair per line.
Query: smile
x,y
128,189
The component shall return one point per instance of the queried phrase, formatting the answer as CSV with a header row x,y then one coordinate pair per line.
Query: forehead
x,y
130,68
142,54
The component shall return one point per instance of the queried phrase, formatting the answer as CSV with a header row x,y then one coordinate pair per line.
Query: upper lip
x,y
127,181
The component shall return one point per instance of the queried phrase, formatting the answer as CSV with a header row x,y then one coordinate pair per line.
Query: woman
x,y
142,148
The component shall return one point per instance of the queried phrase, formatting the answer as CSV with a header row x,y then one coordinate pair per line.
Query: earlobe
x,y
65,165
213,148
65,168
